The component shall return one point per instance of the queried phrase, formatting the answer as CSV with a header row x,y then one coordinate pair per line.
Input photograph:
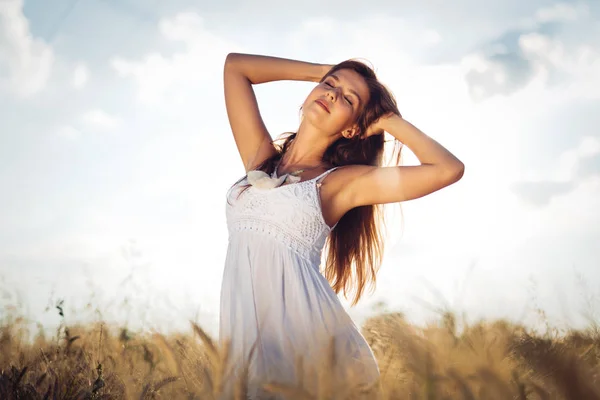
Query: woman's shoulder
x,y
351,170
338,177
341,177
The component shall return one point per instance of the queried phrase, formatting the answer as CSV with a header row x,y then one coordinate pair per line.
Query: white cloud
x,y
331,40
580,63
81,75
561,12
575,167
431,37
28,60
485,76
570,160
589,146
565,55
564,13
100,119
93,119
158,76
68,132
540,61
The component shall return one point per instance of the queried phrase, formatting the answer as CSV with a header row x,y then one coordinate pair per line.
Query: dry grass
x,y
488,360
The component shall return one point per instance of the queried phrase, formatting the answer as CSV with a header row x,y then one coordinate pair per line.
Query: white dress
x,y
274,295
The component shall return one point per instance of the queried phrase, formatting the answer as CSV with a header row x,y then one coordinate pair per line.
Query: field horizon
x,y
489,359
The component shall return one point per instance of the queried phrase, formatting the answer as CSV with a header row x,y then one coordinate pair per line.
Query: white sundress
x,y
273,294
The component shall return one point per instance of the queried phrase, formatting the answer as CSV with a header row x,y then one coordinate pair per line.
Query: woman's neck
x,y
306,150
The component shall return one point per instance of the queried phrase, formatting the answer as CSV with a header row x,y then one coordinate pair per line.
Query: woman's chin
x,y
316,118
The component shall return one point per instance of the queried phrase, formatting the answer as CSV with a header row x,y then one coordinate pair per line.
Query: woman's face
x,y
334,104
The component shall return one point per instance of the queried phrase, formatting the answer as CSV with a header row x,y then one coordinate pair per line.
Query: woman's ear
x,y
350,133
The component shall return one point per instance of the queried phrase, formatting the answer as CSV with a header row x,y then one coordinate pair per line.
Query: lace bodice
x,y
290,214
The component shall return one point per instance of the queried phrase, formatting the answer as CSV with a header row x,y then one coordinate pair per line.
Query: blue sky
x,y
115,151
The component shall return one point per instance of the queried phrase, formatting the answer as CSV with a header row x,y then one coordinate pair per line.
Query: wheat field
x,y
486,360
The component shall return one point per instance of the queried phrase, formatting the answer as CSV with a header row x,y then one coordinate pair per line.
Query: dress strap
x,y
317,186
319,178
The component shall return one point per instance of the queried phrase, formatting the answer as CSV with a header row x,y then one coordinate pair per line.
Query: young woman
x,y
323,185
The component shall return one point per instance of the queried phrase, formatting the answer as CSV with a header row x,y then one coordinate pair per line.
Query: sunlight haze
x,y
116,151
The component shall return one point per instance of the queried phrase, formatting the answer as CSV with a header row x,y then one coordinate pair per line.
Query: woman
x,y
322,185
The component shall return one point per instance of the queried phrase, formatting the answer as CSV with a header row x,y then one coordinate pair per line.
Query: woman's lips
x,y
322,104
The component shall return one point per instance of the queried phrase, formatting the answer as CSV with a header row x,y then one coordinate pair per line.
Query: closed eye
x,y
345,97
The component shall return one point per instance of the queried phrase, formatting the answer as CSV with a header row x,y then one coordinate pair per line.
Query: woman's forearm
x,y
426,149
262,69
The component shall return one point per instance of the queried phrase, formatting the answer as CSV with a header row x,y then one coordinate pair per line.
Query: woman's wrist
x,y
388,121
318,72
427,150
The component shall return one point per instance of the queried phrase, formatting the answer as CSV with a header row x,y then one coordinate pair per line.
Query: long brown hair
x,y
355,247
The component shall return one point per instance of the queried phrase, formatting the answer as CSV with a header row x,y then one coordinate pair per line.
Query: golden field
x,y
486,360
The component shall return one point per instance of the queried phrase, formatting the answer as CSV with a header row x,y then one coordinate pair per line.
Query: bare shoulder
x,y
345,174
337,181
336,199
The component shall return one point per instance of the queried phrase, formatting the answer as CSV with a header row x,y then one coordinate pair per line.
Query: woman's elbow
x,y
454,172
231,59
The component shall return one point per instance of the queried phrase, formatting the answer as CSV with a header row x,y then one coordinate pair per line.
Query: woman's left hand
x,y
377,127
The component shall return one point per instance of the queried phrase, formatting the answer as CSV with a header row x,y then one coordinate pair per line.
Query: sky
x,y
116,153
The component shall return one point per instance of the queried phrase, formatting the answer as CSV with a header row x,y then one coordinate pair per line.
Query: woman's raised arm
x,y
241,71
380,185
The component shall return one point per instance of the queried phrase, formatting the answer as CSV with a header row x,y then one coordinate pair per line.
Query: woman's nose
x,y
333,93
